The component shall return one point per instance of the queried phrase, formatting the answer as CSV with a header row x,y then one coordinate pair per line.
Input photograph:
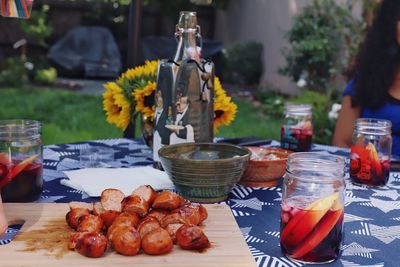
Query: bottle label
x,y
183,104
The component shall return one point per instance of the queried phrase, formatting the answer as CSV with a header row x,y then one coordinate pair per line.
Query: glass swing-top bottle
x,y
186,83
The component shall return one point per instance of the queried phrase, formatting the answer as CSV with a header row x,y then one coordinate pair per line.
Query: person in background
x,y
374,90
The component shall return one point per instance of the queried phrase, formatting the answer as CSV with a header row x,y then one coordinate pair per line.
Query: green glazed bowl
x,y
204,172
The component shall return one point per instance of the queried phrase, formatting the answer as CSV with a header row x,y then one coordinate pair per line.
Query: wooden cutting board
x,y
42,242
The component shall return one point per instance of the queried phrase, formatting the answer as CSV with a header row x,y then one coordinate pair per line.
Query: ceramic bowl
x,y
204,172
266,166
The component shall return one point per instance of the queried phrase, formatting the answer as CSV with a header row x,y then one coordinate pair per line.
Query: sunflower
x,y
140,74
224,111
144,99
133,92
218,90
117,108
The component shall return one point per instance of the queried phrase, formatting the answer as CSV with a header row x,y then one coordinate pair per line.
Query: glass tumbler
x,y
312,207
21,161
371,151
297,127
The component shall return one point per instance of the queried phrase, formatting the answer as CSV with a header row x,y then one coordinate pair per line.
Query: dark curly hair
x,y
378,58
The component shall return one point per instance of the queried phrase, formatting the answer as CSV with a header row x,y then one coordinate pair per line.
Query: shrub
x,y
38,27
241,63
273,103
46,76
13,72
323,39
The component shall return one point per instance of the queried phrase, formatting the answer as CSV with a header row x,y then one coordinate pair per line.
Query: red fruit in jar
x,y
305,220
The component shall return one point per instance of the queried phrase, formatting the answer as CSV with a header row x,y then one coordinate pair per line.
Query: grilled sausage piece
x,y
91,223
135,204
190,212
191,237
126,240
91,244
73,239
203,213
108,216
157,242
172,219
146,192
111,199
127,219
158,214
147,225
172,228
168,201
80,204
75,215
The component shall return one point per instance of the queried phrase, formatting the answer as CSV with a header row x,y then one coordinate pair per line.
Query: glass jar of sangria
x,y
312,207
297,127
3,220
371,151
21,168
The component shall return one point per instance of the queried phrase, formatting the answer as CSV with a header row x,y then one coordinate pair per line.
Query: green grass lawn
x,y
71,117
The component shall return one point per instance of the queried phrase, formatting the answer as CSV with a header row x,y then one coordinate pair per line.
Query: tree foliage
x,y
323,39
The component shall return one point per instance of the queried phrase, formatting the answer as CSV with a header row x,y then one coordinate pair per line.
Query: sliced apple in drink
x,y
304,222
5,159
16,170
375,162
320,232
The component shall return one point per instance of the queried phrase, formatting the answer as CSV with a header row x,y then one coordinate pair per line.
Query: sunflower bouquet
x,y
132,94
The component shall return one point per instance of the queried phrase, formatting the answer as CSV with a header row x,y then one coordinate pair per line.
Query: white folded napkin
x,y
94,180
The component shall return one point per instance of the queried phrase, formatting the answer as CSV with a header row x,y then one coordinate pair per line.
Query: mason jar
x,y
371,151
3,220
312,207
21,161
297,127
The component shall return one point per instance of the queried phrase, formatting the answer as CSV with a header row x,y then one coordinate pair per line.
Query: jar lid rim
x,y
317,162
19,125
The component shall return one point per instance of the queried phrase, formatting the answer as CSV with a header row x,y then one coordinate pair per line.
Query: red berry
x,y
285,217
286,207
294,211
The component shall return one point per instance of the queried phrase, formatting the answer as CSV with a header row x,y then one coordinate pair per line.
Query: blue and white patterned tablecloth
x,y
372,215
